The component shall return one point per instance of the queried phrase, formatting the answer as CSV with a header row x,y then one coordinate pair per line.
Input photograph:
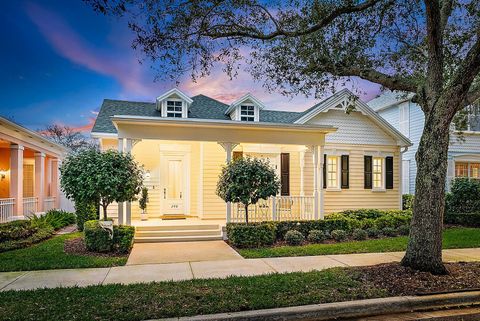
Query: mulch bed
x,y
77,246
399,280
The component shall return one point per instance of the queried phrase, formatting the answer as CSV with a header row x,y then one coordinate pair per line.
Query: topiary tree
x,y
246,181
97,177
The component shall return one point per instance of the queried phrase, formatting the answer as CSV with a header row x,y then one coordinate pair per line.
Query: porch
x,y
182,160
29,172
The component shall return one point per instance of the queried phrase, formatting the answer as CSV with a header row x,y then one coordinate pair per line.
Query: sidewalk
x,y
204,269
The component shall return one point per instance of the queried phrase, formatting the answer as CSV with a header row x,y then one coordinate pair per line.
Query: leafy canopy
x,y
247,180
93,176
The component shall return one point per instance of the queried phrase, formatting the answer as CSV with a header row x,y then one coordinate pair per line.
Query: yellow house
x,y
336,155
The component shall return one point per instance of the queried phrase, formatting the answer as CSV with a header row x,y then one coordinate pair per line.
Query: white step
x,y
177,239
178,227
179,233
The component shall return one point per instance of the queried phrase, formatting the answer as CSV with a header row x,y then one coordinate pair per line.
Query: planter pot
x,y
143,216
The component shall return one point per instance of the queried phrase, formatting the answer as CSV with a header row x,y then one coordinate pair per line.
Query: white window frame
x,y
382,179
469,171
247,106
335,187
165,111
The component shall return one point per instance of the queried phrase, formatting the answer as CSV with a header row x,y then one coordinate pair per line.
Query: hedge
x,y
85,212
242,235
464,219
98,239
267,233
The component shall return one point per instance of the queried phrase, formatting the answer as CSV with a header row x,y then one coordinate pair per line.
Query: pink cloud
x,y
67,43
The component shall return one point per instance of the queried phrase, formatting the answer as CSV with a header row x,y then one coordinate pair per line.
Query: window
x,y
465,169
247,113
332,172
461,169
174,108
377,172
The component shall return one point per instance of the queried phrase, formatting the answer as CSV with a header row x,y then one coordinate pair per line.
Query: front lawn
x,y
174,299
49,254
452,238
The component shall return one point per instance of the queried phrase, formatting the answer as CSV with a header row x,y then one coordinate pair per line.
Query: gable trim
x,y
177,92
240,100
361,107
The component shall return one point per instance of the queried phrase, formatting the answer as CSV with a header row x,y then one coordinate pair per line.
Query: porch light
x,y
3,173
147,174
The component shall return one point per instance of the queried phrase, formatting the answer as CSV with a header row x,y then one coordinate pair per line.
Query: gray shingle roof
x,y
203,107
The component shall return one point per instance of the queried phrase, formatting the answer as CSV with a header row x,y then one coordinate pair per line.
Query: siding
x,y
353,128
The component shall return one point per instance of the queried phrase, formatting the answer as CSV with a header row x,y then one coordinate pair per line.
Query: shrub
x,y
389,231
361,214
316,236
339,235
393,220
16,230
123,238
55,218
251,235
464,196
330,223
465,219
373,232
294,237
403,230
407,202
359,234
85,212
22,235
98,239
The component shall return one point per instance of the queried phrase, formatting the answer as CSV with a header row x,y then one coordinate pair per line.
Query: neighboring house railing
x,y
29,206
6,209
278,208
48,203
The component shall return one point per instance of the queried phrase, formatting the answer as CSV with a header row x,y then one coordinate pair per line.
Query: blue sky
x,y
60,60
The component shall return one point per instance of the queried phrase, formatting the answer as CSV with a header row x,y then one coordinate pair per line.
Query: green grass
x,y
175,299
49,254
452,238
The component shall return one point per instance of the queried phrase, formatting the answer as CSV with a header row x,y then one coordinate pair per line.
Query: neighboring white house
x,y
406,116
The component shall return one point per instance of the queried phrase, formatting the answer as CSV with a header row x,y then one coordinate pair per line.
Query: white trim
x,y
173,91
360,106
382,188
200,181
336,188
240,100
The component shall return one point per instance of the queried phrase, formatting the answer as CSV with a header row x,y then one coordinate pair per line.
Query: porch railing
x,y
277,208
6,209
29,206
48,203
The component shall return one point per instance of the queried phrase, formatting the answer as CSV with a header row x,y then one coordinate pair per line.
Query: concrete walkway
x,y
204,269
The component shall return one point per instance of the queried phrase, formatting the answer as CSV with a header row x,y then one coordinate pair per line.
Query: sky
x,y
60,59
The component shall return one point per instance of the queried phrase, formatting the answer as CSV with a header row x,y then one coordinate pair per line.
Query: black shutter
x,y
367,160
389,172
345,171
324,170
285,174
237,155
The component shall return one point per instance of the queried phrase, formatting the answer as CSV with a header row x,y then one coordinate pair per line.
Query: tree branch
x,y
242,31
434,84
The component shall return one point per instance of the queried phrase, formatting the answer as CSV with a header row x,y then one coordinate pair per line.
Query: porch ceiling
x,y
219,131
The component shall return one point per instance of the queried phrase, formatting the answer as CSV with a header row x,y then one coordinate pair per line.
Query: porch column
x,y
320,175
228,147
128,205
120,205
16,178
316,178
302,176
55,187
39,179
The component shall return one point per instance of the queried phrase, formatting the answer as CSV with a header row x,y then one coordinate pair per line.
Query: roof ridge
x,y
129,101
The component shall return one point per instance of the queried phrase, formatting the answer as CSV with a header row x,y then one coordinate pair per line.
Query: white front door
x,y
173,178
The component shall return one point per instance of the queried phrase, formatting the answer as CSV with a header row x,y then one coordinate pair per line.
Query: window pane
x,y
377,172
461,169
475,170
332,174
174,108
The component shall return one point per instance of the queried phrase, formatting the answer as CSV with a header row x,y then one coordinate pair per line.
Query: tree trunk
x,y
424,250
104,206
246,213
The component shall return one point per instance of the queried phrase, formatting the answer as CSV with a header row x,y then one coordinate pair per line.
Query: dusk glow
x,y
60,60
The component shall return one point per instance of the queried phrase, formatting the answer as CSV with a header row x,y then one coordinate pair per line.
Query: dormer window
x,y
174,108
174,104
247,113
